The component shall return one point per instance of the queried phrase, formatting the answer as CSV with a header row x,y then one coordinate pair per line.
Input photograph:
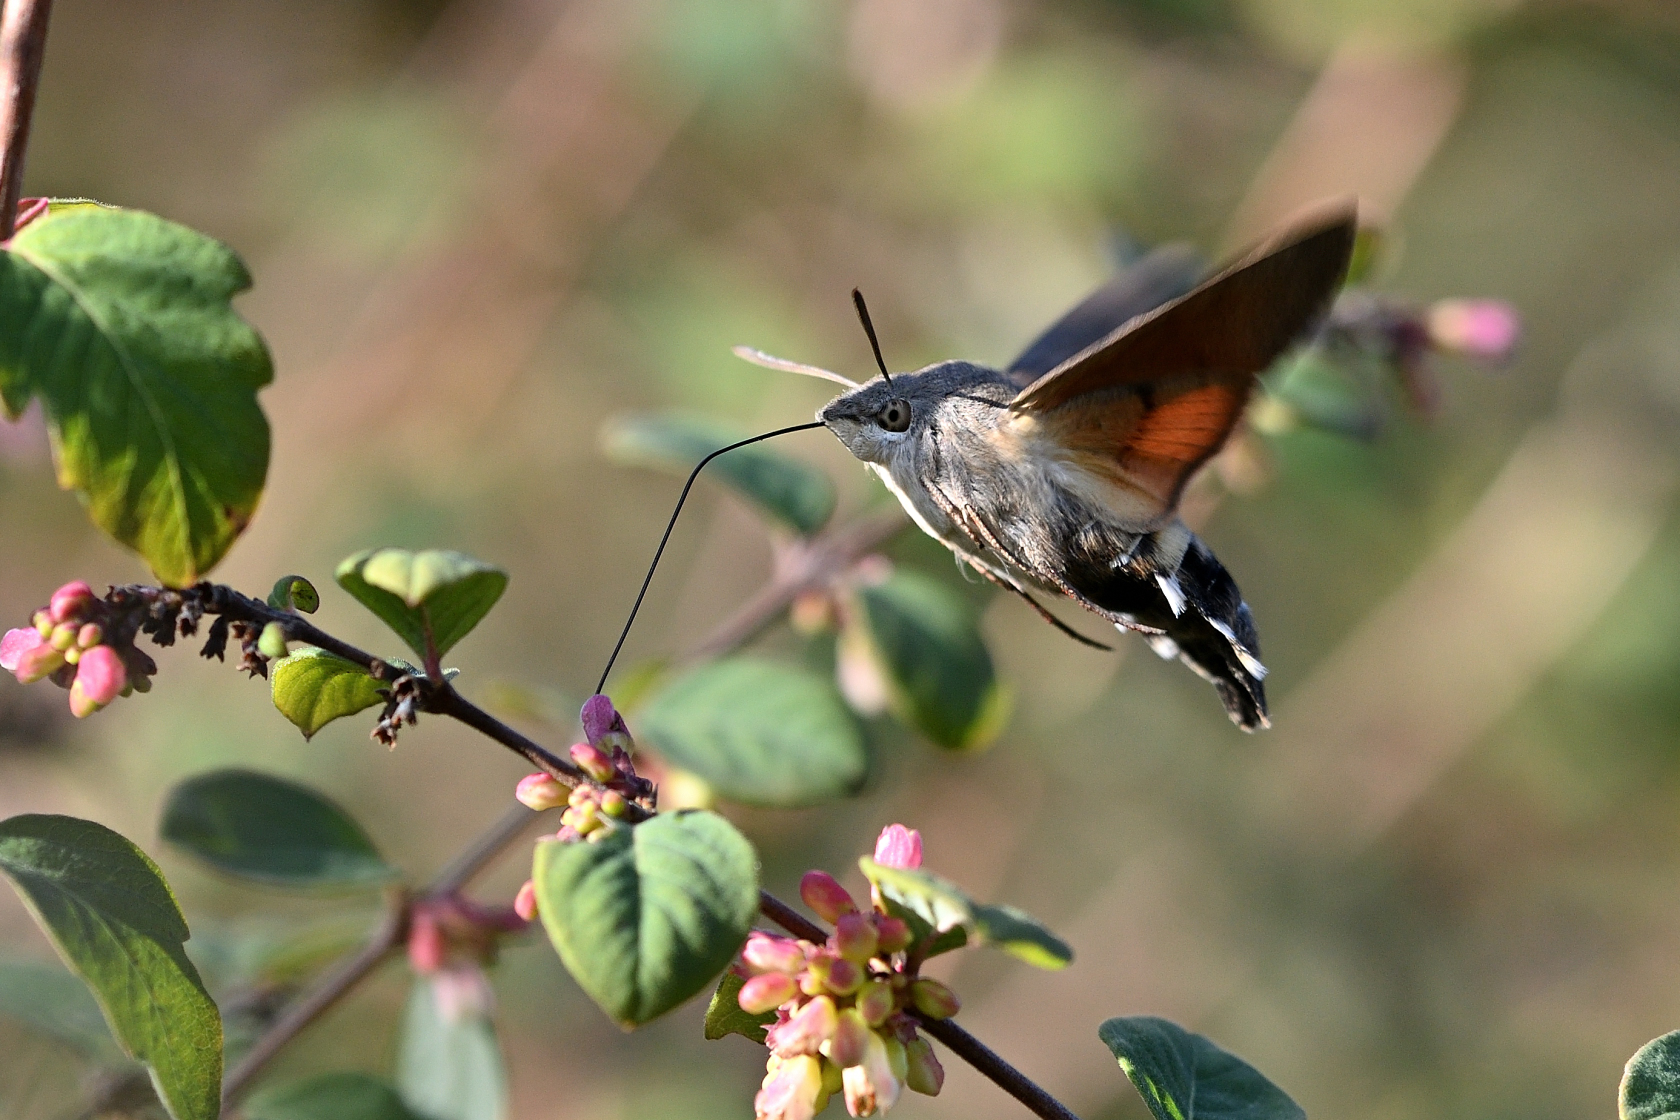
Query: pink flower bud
x,y
71,602
851,1039
893,934
808,1028
101,675
899,847
854,937
769,953
540,791
90,635
426,945
613,803
875,1002
766,992
934,999
15,644
38,662
43,623
923,1073
603,726
525,902
1478,328
63,637
593,762
823,893
844,977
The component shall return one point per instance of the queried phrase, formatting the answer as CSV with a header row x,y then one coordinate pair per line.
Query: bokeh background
x,y
1446,885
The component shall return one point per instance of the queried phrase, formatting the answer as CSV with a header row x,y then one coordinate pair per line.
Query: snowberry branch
x,y
23,44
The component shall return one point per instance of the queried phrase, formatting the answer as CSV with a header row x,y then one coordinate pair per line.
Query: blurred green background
x,y
1445,885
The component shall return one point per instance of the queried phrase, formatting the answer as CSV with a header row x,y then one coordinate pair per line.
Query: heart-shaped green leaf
x,y
449,1066
120,322
1183,1076
759,732
435,593
260,827
648,915
109,913
51,1001
331,1096
724,1016
799,496
312,687
926,641
1651,1082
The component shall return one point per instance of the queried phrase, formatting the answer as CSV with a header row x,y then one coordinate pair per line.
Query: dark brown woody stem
x,y
23,44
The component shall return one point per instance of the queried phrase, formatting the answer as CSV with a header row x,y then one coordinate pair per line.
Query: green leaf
x,y
445,592
1021,935
933,905
759,732
294,593
331,1096
647,916
52,1002
1651,1083
449,1069
120,322
109,913
312,687
937,904
1183,1076
799,496
724,1016
260,827
939,675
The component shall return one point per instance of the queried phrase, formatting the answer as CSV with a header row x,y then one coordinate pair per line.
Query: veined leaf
x,y
1183,1076
109,913
260,827
799,496
120,322
939,674
435,593
1651,1083
647,916
933,905
759,732
724,1016
312,687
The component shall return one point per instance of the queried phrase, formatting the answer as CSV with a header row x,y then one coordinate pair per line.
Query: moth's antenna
x,y
672,524
869,329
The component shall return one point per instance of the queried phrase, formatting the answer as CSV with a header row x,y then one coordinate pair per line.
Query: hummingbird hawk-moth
x,y
1064,471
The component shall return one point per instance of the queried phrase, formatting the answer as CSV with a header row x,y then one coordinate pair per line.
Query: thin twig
x,y
806,567
328,990
23,44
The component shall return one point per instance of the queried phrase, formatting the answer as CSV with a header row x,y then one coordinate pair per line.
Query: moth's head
x,y
880,418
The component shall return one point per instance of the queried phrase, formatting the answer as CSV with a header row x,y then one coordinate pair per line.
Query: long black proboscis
x,y
869,329
672,524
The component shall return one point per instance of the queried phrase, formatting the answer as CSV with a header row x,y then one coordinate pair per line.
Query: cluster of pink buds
x,y
450,940
1404,336
68,645
614,792
842,1007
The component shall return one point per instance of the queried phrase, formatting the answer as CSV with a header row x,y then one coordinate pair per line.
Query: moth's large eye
x,y
895,416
